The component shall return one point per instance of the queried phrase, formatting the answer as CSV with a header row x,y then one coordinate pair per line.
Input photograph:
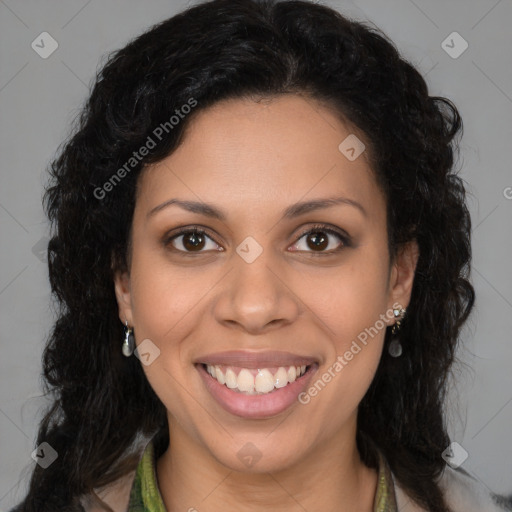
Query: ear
x,y
402,274
123,296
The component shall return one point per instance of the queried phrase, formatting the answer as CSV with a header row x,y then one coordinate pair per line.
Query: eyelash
x,y
344,238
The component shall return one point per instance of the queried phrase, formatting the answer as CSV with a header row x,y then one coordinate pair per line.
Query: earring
x,y
395,347
129,341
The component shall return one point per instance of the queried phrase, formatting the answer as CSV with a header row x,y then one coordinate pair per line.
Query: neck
x,y
331,477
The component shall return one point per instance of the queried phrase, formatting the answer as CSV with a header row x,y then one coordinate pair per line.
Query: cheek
x,y
352,304
165,304
356,339
350,298
163,298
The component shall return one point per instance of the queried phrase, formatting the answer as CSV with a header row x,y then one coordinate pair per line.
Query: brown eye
x,y
320,239
192,240
317,240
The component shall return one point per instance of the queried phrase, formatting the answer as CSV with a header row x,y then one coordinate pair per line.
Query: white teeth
x,y
219,375
263,382
281,378
231,380
245,381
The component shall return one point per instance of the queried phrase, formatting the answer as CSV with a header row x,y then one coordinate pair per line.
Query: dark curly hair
x,y
102,402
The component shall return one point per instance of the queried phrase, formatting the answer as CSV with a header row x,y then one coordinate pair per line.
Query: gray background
x,y
40,97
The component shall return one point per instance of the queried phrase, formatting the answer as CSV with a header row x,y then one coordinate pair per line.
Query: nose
x,y
257,297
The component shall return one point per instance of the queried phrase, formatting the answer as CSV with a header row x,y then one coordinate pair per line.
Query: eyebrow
x,y
292,211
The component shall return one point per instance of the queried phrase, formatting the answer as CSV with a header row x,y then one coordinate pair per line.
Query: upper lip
x,y
267,359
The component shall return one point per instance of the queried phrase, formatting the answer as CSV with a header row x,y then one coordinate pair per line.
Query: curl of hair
x,y
224,49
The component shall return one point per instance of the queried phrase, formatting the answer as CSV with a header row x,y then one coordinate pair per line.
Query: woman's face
x,y
255,294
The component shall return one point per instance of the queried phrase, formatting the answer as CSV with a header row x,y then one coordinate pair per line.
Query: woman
x,y
262,257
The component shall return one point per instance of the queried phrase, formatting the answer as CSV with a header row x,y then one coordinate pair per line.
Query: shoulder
x,y
116,495
463,494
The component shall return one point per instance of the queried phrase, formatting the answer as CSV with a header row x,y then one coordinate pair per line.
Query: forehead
x,y
258,155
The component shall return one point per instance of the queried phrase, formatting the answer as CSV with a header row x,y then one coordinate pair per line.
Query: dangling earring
x,y
129,341
395,347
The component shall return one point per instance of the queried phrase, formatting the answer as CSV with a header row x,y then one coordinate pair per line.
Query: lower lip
x,y
256,406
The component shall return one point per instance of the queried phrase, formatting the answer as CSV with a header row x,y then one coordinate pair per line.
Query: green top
x,y
145,496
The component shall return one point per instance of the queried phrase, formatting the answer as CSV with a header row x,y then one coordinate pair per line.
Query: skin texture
x,y
252,159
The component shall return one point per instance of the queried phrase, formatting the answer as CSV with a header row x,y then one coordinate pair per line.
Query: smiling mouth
x,y
252,381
